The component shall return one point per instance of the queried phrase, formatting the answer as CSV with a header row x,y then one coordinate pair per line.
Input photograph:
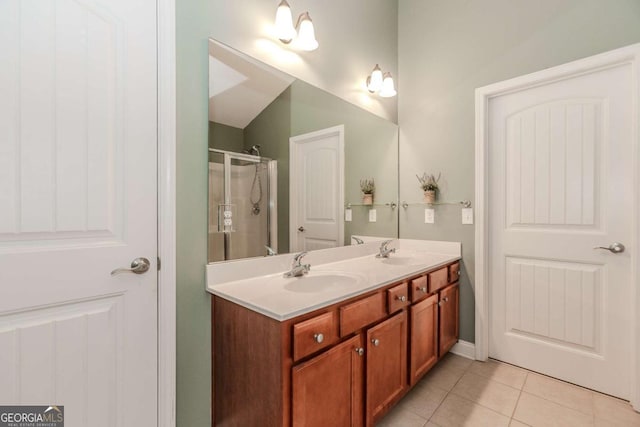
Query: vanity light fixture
x,y
303,34
381,83
388,90
374,80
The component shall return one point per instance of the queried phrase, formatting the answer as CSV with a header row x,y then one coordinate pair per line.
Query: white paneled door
x,y
316,183
560,158
78,200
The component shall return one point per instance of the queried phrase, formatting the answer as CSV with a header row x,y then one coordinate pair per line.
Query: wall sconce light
x,y
303,34
381,83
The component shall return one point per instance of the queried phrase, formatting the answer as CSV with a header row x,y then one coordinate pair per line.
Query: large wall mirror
x,y
286,161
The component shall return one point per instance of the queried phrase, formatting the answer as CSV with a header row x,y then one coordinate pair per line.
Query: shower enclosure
x,y
242,205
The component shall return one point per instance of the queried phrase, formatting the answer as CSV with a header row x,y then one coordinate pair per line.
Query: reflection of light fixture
x,y
381,83
388,90
305,37
374,81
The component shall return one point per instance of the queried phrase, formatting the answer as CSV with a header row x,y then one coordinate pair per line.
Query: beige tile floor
x,y
462,392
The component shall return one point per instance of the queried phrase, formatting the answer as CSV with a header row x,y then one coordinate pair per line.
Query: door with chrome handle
x,y
138,266
615,248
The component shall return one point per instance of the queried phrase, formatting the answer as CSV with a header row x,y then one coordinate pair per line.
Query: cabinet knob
x,y
318,337
446,299
360,351
422,289
375,342
401,298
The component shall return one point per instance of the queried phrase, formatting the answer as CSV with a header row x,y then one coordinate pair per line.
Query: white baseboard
x,y
464,349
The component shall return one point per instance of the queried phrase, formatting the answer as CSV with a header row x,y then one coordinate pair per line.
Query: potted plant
x,y
429,184
367,186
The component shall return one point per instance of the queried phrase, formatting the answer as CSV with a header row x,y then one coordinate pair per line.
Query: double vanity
x,y
332,339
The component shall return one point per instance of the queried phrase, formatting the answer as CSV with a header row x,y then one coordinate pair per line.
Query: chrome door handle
x,y
615,248
301,229
138,266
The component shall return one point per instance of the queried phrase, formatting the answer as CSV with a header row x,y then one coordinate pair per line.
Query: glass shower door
x,y
239,206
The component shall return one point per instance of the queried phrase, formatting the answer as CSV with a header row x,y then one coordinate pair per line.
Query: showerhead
x,y
254,150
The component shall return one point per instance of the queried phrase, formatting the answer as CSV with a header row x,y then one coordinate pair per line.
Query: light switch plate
x,y
429,216
347,215
467,216
372,215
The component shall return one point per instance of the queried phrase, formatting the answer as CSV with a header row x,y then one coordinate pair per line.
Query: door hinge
x,y
159,263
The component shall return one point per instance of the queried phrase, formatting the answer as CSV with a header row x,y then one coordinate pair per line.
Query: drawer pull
x,y
375,342
319,338
401,298
360,351
422,289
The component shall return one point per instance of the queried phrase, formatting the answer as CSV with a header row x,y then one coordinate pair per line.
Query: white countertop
x,y
257,283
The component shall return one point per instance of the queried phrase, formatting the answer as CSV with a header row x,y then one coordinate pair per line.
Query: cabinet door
x,y
327,390
386,365
424,337
448,318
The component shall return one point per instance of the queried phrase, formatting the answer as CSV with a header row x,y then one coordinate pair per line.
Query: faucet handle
x,y
384,244
298,258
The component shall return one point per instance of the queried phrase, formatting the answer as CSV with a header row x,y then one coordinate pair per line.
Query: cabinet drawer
x,y
314,334
398,297
419,289
438,279
454,272
361,313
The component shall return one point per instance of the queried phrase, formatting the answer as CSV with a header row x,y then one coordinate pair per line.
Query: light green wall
x,y
224,137
193,329
447,48
270,129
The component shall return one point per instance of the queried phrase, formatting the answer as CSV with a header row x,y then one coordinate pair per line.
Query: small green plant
x,y
428,182
367,186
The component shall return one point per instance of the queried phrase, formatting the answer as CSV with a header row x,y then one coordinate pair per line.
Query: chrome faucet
x,y
297,268
384,250
358,240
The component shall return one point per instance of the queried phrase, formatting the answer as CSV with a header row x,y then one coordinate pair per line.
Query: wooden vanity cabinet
x,y
449,315
328,389
343,365
386,365
423,337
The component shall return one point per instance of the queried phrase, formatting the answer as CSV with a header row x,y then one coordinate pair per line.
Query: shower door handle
x,y
301,229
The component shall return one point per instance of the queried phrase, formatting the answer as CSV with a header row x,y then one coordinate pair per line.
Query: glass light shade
x,y
388,90
284,23
374,81
306,33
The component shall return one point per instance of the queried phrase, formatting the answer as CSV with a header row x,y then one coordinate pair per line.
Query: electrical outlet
x,y
429,216
372,215
467,216
347,215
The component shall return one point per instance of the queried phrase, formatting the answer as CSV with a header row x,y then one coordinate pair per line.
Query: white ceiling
x,y
240,87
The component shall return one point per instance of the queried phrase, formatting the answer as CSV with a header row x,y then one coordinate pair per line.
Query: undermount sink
x,y
321,281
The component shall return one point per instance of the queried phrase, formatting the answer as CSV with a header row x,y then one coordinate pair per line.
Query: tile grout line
x,y
513,413
448,392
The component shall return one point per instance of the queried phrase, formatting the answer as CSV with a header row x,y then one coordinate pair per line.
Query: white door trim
x,y
626,55
293,189
166,33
